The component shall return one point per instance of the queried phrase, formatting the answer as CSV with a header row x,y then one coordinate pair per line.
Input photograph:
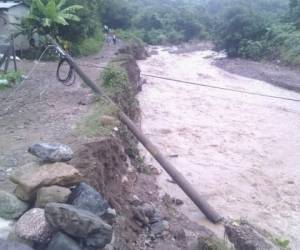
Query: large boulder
x,y
51,152
85,197
62,242
33,226
31,177
11,207
92,230
47,195
12,245
243,235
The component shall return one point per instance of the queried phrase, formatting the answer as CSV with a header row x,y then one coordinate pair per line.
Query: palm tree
x,y
46,16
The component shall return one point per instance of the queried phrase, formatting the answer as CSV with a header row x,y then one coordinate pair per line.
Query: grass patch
x,y
212,244
91,126
10,78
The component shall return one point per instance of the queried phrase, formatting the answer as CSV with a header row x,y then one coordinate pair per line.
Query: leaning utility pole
x,y
182,182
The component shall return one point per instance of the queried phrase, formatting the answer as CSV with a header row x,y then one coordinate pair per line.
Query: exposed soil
x,y
106,167
275,74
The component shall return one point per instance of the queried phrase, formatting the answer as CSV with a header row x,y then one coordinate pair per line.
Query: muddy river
x,y
241,152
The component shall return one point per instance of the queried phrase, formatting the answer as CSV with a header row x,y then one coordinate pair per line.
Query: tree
x,y
238,26
46,16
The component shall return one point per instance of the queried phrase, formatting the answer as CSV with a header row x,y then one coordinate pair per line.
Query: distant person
x,y
114,39
106,29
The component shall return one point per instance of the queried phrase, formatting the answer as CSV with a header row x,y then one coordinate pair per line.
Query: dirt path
x,y
42,109
239,151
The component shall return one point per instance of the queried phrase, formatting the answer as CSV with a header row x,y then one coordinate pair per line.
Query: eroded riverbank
x,y
239,151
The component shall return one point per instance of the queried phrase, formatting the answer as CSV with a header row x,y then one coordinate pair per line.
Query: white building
x,y
11,13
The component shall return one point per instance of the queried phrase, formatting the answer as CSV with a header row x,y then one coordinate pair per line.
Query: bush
x,y
290,50
155,37
114,77
251,49
87,46
9,78
130,35
175,37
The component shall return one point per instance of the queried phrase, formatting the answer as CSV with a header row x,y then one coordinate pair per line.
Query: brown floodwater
x,y
241,152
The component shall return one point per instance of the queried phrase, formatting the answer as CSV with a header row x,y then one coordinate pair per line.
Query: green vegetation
x,y
45,17
251,29
260,29
9,78
282,243
114,77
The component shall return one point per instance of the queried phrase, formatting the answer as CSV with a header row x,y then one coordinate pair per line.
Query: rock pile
x,y
150,217
54,209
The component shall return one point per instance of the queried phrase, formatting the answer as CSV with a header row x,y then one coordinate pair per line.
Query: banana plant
x,y
45,16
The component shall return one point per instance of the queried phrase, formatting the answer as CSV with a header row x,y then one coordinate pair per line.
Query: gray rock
x,y
160,228
144,213
85,197
62,242
30,178
51,152
11,245
79,223
243,235
33,226
151,217
47,195
109,216
11,207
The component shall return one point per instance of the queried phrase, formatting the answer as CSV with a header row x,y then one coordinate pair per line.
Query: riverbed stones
x,y
33,226
87,198
12,245
51,152
62,242
11,207
31,177
79,224
47,195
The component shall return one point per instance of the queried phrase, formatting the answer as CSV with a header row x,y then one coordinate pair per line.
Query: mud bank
x,y
277,75
113,166
241,152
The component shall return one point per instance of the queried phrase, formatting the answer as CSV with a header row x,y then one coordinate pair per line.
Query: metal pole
x,y
189,190
14,52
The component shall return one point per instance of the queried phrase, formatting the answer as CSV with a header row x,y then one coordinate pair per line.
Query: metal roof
x,y
8,4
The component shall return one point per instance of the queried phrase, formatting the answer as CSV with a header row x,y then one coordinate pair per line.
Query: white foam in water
x,y
5,228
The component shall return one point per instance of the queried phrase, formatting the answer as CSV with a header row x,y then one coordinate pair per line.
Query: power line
x,y
205,85
222,88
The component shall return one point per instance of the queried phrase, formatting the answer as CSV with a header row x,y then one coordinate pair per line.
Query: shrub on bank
x,y
87,46
9,78
114,76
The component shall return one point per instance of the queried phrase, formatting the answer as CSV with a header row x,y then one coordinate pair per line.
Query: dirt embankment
x,y
275,74
114,167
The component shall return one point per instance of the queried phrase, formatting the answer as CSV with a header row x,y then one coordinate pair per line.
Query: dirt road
x,y
42,109
241,152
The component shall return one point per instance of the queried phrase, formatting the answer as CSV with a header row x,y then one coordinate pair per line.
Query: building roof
x,y
9,4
